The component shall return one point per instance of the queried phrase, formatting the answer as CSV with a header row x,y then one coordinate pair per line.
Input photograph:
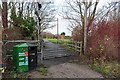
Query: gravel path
x,y
0,57
59,67
52,50
69,70
0,52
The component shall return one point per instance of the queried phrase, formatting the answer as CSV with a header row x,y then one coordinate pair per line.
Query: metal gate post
x,y
41,51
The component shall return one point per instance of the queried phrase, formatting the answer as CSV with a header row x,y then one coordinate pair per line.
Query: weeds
x,y
108,69
43,71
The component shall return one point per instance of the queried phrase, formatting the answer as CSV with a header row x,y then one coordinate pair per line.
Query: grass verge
x,y
108,69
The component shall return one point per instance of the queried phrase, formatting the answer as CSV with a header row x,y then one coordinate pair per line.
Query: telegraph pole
x,y
57,30
85,28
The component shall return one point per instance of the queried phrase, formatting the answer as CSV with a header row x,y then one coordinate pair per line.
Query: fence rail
x,y
74,45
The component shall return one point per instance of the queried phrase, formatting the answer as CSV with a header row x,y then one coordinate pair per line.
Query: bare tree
x,y
0,23
83,14
45,15
114,11
4,14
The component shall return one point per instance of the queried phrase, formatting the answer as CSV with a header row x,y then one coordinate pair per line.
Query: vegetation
x,y
63,33
25,17
26,25
56,41
47,35
108,69
45,16
103,42
81,14
102,33
14,74
43,70
98,30
20,23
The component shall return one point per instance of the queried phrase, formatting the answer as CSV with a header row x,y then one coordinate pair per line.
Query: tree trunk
x,y
4,15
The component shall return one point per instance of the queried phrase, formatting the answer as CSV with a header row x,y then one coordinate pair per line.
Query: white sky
x,y
63,24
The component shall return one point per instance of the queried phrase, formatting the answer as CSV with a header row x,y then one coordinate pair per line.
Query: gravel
x,y
70,70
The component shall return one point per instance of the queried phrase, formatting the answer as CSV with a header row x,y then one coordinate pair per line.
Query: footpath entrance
x,y
52,50
57,59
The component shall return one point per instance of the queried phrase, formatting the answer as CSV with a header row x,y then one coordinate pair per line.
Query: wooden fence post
x,y
80,47
76,46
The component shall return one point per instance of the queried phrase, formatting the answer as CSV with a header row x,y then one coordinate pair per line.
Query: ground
x,y
70,70
66,70
60,66
0,53
0,56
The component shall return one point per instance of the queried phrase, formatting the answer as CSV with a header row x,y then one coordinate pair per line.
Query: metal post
x,y
41,52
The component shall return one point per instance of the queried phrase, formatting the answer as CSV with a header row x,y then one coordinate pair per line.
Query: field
x,y
59,41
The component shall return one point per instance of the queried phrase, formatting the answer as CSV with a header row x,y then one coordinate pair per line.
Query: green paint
x,y
19,57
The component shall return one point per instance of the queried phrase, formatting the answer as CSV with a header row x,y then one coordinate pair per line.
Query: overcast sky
x,y
64,24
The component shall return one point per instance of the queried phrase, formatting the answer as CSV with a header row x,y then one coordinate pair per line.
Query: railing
x,y
20,41
5,42
7,50
74,45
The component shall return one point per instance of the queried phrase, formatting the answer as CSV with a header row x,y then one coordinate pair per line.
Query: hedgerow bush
x,y
103,41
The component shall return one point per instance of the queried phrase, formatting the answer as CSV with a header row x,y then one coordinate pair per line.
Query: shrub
x,y
103,41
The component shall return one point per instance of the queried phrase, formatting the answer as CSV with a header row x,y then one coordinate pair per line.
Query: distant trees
x,y
63,33
47,35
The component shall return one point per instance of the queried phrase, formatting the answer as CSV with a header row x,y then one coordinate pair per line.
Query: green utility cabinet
x,y
20,57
